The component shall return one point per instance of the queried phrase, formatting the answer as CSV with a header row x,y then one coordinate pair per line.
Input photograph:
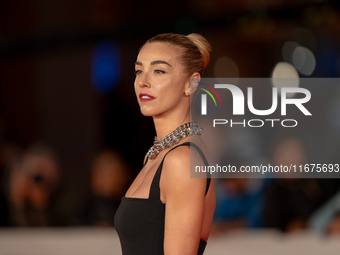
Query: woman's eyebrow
x,y
154,63
160,62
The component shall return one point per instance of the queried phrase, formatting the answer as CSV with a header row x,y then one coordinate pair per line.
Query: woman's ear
x,y
192,84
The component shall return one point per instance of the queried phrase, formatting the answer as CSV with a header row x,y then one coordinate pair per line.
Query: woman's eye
x,y
138,72
159,71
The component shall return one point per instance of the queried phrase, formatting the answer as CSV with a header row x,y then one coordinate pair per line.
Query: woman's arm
x,y
184,198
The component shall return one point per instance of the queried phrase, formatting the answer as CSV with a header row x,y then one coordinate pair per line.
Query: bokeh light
x,y
105,67
285,75
288,50
304,60
226,67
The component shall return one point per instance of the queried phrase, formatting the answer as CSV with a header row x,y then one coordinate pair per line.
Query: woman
x,y
165,211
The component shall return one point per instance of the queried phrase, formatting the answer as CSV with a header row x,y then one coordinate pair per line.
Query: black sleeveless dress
x,y
140,221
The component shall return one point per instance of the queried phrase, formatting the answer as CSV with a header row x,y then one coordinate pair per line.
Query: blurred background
x,y
72,137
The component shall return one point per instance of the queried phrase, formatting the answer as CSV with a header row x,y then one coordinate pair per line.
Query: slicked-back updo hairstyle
x,y
195,50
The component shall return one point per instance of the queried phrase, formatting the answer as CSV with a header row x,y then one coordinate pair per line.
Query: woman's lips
x,y
145,97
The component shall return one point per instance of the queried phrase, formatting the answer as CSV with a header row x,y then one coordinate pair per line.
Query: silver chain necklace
x,y
187,129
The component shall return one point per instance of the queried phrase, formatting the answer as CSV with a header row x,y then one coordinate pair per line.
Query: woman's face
x,y
160,83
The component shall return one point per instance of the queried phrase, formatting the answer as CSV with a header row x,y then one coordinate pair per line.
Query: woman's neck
x,y
165,125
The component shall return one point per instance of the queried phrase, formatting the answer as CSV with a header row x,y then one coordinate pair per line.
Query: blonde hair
x,y
195,48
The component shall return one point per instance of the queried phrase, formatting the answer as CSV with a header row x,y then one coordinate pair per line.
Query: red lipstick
x,y
145,97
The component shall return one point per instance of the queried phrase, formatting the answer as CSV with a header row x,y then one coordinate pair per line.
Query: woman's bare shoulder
x,y
176,172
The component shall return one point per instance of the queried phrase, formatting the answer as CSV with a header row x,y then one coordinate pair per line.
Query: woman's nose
x,y
143,80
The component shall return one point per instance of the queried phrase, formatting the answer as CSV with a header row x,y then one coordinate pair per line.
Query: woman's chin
x,y
148,112
147,115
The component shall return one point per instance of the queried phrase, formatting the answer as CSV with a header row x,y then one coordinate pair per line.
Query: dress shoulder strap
x,y
155,190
